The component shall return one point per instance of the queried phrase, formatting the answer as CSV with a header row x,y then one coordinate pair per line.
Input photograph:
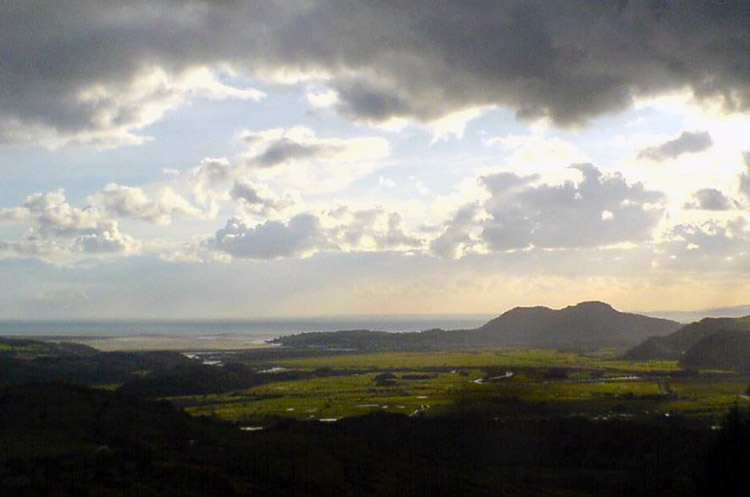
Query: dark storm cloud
x,y
360,100
710,199
687,143
569,60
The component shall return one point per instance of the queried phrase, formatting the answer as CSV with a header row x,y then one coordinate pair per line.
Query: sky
x,y
188,159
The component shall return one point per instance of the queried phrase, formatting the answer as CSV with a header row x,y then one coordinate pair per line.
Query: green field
x,y
514,358
332,397
542,382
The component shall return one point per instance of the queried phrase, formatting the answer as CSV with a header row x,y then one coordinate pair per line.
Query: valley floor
x,y
504,384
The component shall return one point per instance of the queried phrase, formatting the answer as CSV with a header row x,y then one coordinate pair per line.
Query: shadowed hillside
x,y
726,349
28,361
675,345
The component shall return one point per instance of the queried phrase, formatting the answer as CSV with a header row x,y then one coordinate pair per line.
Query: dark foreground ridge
x,y
58,439
588,325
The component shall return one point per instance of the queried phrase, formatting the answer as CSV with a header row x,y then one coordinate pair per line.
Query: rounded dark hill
x,y
675,345
588,324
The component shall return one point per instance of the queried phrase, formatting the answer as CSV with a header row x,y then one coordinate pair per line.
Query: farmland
x,y
503,384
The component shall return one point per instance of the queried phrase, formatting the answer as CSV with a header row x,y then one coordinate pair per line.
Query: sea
x,y
253,330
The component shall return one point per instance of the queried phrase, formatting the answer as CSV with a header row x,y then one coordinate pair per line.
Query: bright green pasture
x,y
332,397
706,395
478,359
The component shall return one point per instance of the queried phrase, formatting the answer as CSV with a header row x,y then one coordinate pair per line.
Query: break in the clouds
x,y
687,143
98,73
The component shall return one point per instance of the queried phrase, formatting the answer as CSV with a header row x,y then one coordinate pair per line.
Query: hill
x,y
28,361
588,324
727,349
674,346
585,325
23,348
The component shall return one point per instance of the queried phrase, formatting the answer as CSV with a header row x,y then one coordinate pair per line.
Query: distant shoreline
x,y
147,343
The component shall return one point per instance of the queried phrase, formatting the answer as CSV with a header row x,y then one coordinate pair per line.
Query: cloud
x,y
713,246
687,143
538,152
710,199
57,230
105,114
105,239
522,214
258,199
745,178
456,237
340,230
97,75
211,179
300,236
299,144
519,213
290,158
361,100
370,230
319,99
133,202
286,150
